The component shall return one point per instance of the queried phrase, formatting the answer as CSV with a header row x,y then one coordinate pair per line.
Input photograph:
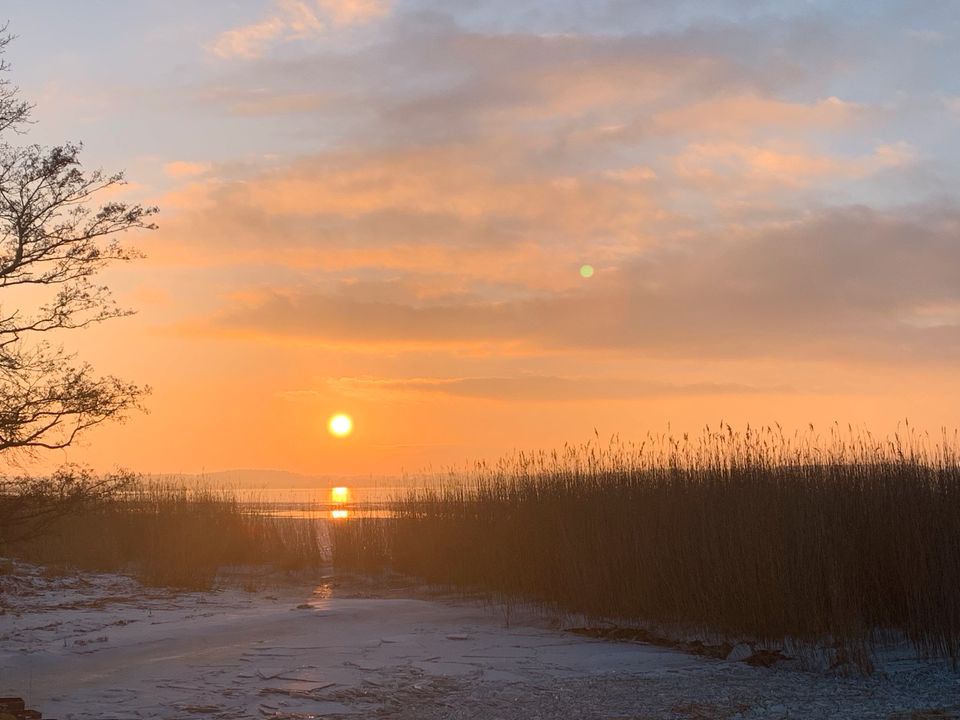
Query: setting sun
x,y
340,425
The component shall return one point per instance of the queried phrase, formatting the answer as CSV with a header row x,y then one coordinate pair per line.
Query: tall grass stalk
x,y
841,541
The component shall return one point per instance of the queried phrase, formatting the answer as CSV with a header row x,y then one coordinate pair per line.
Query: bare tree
x,y
54,240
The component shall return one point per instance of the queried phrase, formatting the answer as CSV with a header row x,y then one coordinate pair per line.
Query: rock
x,y
740,652
765,658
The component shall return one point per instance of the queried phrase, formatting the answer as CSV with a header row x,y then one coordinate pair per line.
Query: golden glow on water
x,y
340,425
340,495
339,514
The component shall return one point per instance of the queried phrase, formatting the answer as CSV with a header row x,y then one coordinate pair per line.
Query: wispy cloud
x,y
537,388
249,41
185,169
755,170
294,20
351,12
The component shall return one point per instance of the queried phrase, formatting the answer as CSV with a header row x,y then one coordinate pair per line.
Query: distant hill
x,y
261,478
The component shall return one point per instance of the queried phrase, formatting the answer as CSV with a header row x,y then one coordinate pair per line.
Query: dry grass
x,y
842,541
174,536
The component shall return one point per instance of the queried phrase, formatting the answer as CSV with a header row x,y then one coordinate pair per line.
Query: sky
x,y
382,208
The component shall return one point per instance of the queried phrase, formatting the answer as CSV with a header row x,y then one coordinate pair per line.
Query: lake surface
x,y
333,502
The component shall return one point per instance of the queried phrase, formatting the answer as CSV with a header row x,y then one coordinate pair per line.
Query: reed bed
x,y
843,541
172,535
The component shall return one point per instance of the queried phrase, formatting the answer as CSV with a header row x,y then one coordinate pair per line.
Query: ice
x,y
102,646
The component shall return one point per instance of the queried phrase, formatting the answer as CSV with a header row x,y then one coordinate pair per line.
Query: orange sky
x,y
382,208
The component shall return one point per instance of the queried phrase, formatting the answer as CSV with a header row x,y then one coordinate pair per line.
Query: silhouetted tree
x,y
54,240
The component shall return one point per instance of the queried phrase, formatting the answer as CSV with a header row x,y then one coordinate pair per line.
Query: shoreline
x,y
95,645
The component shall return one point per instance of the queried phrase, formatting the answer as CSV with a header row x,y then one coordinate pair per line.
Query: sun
x,y
340,425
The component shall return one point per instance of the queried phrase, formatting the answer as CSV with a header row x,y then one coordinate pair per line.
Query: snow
x,y
98,646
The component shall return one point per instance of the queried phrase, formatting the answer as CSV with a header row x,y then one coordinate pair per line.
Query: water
x,y
336,502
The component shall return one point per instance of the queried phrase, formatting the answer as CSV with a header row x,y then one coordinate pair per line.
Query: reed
x,y
173,535
842,541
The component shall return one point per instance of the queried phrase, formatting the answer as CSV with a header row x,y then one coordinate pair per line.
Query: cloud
x,y
745,115
536,388
489,211
263,101
845,283
427,77
635,174
436,119
294,20
249,41
755,169
690,165
185,169
426,210
352,12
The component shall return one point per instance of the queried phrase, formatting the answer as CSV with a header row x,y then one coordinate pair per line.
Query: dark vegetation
x,y
166,535
844,542
59,230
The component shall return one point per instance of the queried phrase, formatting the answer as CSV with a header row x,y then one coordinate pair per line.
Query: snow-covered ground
x,y
102,646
